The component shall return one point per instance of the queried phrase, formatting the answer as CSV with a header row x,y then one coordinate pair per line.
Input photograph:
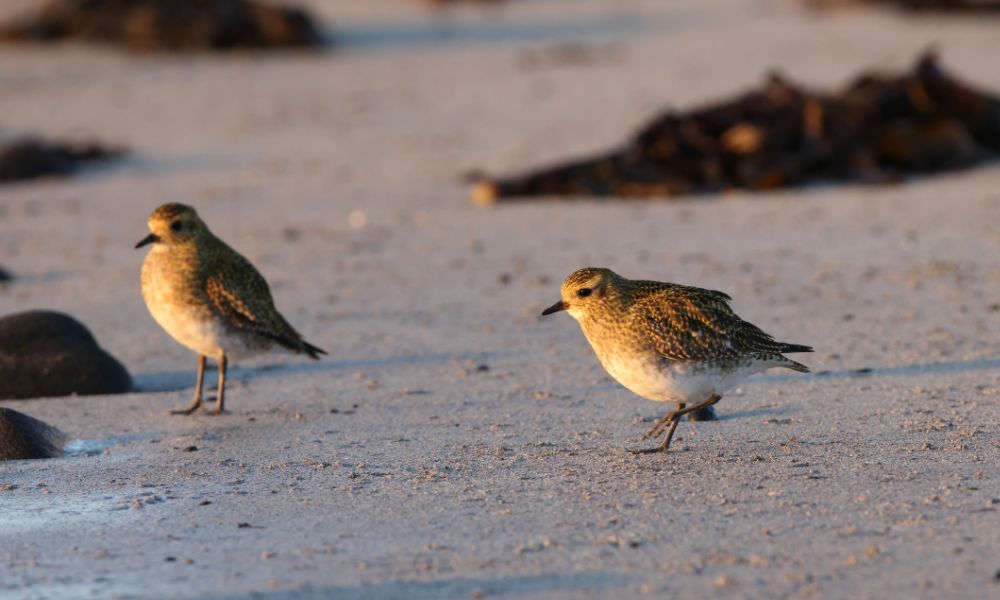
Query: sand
x,y
454,444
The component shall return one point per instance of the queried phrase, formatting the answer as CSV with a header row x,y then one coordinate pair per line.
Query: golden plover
x,y
210,298
669,342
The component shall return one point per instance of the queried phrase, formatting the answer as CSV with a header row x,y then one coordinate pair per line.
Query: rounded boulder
x,y
45,353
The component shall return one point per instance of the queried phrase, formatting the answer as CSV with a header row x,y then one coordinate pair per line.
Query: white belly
x,y
661,381
200,335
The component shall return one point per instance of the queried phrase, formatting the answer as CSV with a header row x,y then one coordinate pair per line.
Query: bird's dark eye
x,y
584,292
176,225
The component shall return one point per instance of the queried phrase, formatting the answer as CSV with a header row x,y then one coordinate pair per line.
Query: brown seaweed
x,y
938,6
28,158
879,129
174,25
470,2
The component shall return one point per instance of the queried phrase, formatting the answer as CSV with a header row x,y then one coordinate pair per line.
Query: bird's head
x,y
586,290
172,225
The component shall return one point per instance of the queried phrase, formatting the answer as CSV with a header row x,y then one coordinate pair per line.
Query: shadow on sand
x,y
443,31
916,369
456,588
171,381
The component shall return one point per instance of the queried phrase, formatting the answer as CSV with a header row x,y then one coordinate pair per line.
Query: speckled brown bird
x,y
668,342
210,298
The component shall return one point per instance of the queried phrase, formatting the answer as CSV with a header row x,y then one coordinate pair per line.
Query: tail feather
x,y
795,366
791,364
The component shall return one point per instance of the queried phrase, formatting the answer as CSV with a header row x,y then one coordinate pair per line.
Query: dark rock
x,y
878,130
5,275
44,354
704,414
29,158
169,25
22,437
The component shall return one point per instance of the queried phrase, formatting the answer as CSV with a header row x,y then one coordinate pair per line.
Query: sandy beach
x,y
453,444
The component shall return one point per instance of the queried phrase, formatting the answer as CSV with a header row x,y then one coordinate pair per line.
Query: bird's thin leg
x,y
662,423
220,402
670,435
675,418
670,419
197,390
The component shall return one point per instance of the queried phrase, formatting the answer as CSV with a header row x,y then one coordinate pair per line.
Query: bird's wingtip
x,y
792,348
312,351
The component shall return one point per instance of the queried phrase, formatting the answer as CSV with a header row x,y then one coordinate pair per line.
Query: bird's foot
x,y
218,408
187,411
656,450
667,425
659,427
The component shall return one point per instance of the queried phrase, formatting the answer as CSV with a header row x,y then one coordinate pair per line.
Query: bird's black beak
x,y
149,239
558,306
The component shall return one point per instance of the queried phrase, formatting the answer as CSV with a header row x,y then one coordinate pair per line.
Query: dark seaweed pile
x,y
942,6
28,158
880,129
174,25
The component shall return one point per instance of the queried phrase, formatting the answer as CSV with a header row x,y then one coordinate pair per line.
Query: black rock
x,y
5,276
44,353
29,158
22,437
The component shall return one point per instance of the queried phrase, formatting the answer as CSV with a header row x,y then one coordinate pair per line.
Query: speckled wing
x,y
243,298
686,323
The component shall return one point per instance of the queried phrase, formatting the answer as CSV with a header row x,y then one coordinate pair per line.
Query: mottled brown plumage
x,y
208,297
668,342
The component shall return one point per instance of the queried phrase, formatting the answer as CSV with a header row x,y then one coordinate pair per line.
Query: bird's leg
x,y
674,419
197,390
669,420
220,402
680,412
670,435
662,423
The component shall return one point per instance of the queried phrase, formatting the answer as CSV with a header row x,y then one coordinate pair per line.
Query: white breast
x,y
195,326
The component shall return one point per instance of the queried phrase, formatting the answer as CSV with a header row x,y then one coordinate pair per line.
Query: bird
x,y
669,342
210,298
